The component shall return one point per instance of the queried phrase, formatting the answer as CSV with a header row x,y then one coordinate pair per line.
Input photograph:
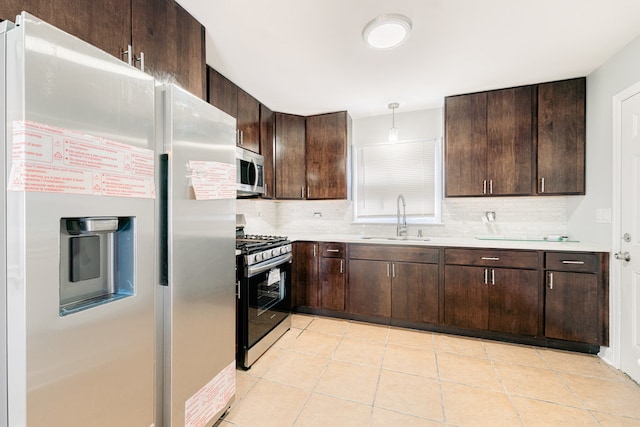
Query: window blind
x,y
383,171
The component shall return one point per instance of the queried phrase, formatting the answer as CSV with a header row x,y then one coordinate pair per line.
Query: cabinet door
x,y
513,301
290,156
248,121
561,137
306,277
465,144
222,92
102,23
466,297
267,140
510,141
370,287
326,156
571,306
172,41
332,283
414,292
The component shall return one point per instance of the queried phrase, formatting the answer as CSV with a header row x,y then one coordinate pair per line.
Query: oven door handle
x,y
252,270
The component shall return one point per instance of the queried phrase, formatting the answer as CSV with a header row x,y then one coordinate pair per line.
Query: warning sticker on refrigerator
x,y
211,399
54,160
212,180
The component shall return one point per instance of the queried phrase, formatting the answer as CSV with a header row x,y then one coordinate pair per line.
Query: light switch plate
x,y
603,216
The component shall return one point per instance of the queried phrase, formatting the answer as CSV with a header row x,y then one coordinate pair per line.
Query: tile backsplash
x,y
461,217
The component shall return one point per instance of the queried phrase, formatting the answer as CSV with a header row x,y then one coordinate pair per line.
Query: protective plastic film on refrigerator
x,y
80,217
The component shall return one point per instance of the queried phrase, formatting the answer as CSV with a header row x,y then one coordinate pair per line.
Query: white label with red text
x,y
55,160
212,180
211,398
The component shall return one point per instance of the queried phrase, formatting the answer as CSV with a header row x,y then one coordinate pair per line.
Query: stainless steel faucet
x,y
401,229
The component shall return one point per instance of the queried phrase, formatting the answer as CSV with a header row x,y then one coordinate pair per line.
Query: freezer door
x,y
84,115
199,299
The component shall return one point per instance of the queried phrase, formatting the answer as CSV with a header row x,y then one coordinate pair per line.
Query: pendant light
x,y
393,132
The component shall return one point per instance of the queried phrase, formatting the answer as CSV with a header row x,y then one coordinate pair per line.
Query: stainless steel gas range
x,y
264,294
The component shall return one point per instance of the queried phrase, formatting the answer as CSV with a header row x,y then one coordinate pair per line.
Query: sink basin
x,y
400,238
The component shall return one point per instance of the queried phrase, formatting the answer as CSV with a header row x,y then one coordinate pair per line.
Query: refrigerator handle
x,y
163,218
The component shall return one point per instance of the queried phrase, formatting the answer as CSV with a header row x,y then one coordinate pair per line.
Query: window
x,y
384,171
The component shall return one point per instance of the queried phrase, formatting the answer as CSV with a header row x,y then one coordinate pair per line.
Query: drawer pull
x,y
333,250
573,262
490,258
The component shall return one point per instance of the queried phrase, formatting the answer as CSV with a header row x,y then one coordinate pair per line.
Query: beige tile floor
x,y
330,372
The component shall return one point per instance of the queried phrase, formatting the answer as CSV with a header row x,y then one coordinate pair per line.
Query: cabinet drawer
x,y
569,261
492,258
332,250
420,254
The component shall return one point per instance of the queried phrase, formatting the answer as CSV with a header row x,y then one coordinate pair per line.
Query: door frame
x,y
614,352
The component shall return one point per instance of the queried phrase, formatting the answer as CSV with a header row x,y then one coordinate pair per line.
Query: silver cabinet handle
x,y
140,59
333,250
388,274
551,281
308,193
486,276
484,186
490,186
393,269
490,258
493,277
302,192
624,256
573,262
341,266
128,53
542,185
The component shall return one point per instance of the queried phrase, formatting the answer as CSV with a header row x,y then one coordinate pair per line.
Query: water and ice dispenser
x,y
97,261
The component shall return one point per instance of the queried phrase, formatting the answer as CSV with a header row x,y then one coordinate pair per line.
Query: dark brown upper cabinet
x,y
327,148
489,143
171,40
528,140
267,149
290,156
231,99
561,137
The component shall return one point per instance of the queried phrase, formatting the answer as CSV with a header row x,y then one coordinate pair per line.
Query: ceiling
x,y
307,56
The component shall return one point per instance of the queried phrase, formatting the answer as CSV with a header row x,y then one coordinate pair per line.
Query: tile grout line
x,y
375,394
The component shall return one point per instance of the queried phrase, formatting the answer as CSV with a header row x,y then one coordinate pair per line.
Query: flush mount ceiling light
x,y
387,31
393,132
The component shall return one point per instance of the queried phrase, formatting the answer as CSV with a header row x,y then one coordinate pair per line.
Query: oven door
x,y
269,297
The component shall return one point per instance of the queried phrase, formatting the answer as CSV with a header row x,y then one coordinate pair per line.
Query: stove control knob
x,y
257,257
274,252
283,250
264,255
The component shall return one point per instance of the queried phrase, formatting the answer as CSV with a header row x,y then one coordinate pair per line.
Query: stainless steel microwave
x,y
250,173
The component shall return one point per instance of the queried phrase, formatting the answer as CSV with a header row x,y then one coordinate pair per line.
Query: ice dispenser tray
x,y
96,261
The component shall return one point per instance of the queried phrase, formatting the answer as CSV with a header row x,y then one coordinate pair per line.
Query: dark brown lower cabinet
x,y
489,298
370,287
414,292
333,276
571,307
305,287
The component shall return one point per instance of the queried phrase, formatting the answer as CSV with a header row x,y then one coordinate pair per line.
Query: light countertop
x,y
466,242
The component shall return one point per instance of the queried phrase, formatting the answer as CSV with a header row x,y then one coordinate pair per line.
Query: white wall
x,y
615,75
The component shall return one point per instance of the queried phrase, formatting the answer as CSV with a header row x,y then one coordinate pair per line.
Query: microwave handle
x,y
255,170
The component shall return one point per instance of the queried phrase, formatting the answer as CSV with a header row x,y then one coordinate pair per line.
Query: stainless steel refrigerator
x,y
118,304
80,224
196,235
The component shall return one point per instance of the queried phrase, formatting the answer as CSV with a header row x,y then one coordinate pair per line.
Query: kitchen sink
x,y
401,238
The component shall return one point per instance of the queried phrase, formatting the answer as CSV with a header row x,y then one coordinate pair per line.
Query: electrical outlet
x,y
603,216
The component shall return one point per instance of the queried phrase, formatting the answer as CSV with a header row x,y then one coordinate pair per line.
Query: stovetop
x,y
253,242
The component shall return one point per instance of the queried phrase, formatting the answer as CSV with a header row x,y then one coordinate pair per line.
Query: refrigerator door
x,y
4,27
199,253
80,291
